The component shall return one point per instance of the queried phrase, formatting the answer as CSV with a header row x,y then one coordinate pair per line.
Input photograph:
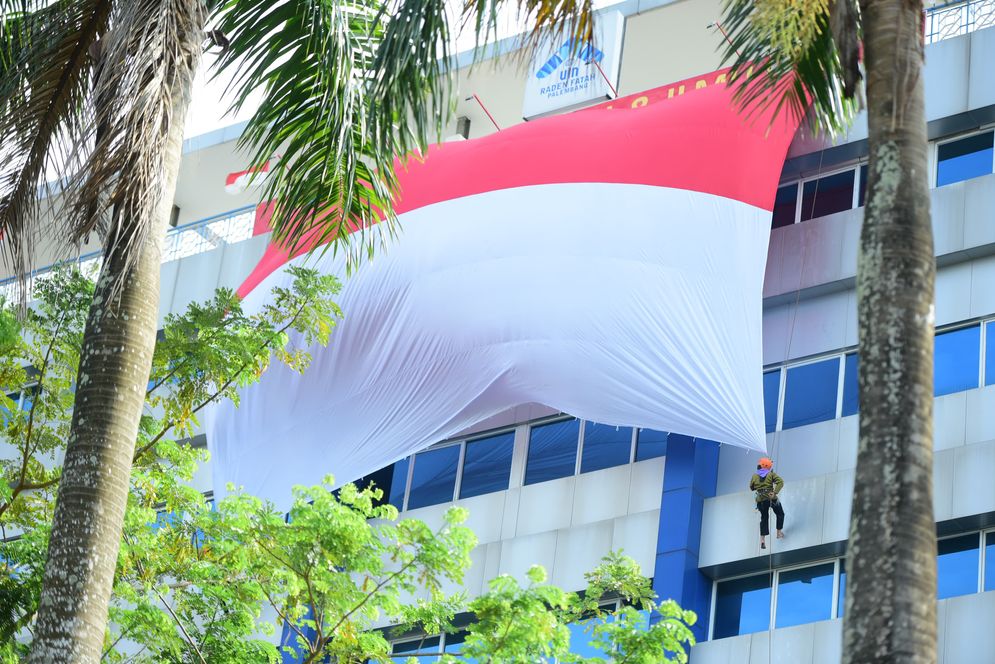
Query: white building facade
x,y
542,487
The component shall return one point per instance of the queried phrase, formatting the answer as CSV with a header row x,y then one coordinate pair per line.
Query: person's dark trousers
x,y
764,507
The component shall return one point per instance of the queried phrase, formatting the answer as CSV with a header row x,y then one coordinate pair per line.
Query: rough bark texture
x,y
891,561
114,369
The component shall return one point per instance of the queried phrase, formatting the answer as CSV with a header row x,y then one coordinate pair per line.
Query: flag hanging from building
x,y
607,263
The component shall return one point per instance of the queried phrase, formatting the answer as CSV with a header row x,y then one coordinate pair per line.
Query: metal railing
x,y
188,240
958,18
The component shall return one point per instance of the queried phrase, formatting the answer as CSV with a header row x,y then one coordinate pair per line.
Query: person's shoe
x,y
780,534
762,545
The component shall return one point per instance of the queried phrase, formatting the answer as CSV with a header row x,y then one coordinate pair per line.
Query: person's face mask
x,y
762,472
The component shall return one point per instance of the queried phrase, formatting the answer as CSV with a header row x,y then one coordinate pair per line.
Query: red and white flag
x,y
239,181
607,263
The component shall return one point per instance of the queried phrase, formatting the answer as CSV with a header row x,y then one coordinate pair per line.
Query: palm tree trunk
x,y
891,590
113,374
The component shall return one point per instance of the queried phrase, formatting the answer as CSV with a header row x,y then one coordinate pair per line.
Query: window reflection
x,y
742,606
428,644
651,444
784,206
990,354
433,479
552,451
810,393
487,465
805,595
963,159
850,405
826,195
772,390
398,483
957,566
955,360
990,561
841,601
605,446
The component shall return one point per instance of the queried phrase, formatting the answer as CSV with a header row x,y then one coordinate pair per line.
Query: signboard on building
x,y
566,74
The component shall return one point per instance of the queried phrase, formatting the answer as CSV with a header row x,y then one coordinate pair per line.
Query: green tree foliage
x,y
198,582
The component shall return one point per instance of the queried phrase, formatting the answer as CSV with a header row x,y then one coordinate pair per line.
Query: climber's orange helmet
x,y
766,463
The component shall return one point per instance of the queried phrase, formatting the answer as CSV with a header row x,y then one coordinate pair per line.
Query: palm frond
x,y
44,81
784,56
346,87
146,65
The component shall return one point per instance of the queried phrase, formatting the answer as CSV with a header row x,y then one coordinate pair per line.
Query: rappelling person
x,y
767,484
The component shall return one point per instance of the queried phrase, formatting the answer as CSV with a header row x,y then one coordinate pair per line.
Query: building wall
x,y
809,311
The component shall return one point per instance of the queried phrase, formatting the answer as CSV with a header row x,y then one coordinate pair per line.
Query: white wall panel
x,y
947,213
579,550
983,285
836,509
602,494
943,485
486,515
980,417
545,506
979,201
946,65
730,529
953,293
949,419
646,486
973,488
518,555
636,536
846,454
982,83
807,451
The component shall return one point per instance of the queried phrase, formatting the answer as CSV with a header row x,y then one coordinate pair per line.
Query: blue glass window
x,y
840,602
398,483
964,159
487,465
742,606
428,644
833,193
810,393
552,451
957,566
850,405
454,645
862,191
772,390
805,595
956,356
581,636
784,205
650,444
990,561
433,479
990,354
605,446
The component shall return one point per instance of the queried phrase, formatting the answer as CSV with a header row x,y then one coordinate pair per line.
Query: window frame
x,y
979,586
839,355
775,582
799,184
462,442
934,153
955,327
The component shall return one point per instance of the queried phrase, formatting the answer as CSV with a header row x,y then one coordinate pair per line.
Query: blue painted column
x,y
690,476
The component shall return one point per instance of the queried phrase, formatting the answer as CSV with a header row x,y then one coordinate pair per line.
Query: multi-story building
x,y
542,487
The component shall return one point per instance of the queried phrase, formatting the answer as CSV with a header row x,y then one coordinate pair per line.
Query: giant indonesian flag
x,y
607,263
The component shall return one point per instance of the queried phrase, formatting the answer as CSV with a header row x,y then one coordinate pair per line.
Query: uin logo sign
x,y
568,51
